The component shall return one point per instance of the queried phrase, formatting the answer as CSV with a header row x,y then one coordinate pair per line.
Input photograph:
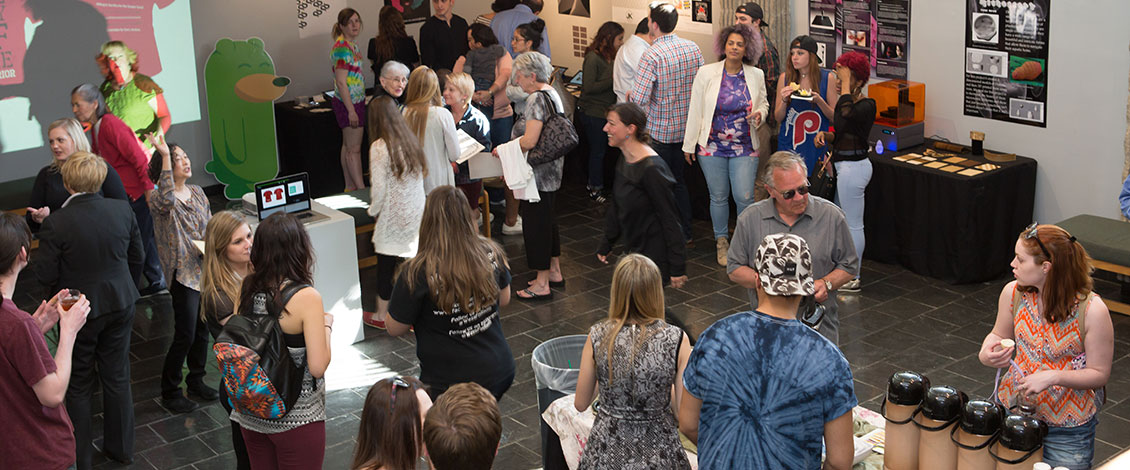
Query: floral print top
x,y
176,224
729,130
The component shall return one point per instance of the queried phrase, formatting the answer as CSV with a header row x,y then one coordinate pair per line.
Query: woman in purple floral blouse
x,y
728,104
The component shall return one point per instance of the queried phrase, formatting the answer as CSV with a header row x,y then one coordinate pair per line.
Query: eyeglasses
x,y
397,382
793,192
1032,233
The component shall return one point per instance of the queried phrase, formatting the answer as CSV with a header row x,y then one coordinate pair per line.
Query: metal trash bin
x,y
556,363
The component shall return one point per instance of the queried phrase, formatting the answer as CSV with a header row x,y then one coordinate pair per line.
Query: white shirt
x,y
625,66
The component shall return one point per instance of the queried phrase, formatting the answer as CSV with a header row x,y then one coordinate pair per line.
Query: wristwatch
x,y
827,284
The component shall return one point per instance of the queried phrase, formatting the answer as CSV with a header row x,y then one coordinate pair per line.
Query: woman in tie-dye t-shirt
x,y
1063,341
349,94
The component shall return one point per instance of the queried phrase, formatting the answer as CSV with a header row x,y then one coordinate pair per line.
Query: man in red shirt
x,y
32,383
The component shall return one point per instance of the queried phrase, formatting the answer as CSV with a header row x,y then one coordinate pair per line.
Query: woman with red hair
x,y
852,120
1063,339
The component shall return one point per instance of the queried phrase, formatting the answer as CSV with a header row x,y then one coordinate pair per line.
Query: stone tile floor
x,y
900,321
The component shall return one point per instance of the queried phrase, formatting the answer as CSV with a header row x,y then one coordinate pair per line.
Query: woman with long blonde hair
x,y
397,167
227,260
638,360
451,292
432,124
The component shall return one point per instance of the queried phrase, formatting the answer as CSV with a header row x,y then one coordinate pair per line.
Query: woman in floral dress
x,y
727,104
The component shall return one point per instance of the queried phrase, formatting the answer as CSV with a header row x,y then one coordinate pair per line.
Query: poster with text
x,y
1006,55
879,29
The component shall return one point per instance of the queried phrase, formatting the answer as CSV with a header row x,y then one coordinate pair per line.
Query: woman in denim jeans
x,y
852,120
1063,341
728,104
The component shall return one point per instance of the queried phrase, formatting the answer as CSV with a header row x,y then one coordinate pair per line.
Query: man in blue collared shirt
x,y
505,22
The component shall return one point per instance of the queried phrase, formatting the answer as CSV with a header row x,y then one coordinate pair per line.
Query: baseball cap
x,y
784,265
806,43
754,11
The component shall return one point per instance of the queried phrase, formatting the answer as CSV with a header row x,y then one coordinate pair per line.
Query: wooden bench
x,y
1108,243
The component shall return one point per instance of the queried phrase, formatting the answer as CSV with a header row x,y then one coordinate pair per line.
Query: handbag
x,y
558,136
824,181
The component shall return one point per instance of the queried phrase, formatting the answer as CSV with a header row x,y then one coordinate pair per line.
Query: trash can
x,y
557,363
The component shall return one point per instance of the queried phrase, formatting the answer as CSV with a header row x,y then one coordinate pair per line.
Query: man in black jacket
x,y
93,244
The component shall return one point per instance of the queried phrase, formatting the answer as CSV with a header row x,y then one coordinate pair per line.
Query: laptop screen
x,y
287,194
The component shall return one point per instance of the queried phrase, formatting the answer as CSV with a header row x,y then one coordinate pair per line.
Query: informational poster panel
x,y
879,29
1006,60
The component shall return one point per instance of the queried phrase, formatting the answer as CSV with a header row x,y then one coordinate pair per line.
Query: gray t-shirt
x,y
547,175
822,225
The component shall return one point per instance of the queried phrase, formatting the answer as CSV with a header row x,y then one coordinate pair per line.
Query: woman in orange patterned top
x,y
1063,339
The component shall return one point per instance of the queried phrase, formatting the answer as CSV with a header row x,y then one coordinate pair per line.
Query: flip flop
x,y
560,283
532,296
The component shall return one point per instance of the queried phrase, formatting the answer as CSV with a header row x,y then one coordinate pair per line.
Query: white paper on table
x,y
468,146
199,244
484,165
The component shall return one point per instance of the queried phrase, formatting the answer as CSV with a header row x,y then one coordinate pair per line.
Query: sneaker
x,y
370,319
203,392
723,247
179,404
597,195
515,229
851,286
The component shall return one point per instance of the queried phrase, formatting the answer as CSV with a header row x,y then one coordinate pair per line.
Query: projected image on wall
x,y
50,47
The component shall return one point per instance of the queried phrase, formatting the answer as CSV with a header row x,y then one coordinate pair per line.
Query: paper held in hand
x,y
484,165
468,146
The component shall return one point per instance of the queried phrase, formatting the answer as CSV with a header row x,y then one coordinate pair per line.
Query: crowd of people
x,y
649,99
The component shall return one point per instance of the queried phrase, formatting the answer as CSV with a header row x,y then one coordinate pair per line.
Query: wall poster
x,y
878,28
1006,55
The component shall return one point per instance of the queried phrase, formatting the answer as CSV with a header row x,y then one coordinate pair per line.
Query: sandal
x,y
560,283
530,295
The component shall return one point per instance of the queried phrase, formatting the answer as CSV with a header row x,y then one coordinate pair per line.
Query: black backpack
x,y
261,378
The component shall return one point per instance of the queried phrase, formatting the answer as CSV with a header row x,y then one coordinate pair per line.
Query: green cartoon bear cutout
x,y
241,85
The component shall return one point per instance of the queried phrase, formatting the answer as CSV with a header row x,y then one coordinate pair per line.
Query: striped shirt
x,y
666,101
346,55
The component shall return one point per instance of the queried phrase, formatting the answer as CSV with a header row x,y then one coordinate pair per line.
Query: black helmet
x,y
981,417
1022,433
907,388
942,403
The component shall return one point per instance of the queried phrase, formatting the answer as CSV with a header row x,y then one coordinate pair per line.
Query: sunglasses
x,y
812,312
1032,233
397,382
793,192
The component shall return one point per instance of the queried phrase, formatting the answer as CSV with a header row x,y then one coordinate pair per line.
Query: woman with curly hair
x,y
596,97
131,96
728,104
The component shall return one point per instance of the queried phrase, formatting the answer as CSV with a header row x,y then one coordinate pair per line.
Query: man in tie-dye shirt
x,y
762,388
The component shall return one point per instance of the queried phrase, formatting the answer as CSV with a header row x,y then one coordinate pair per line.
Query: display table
x,y
309,140
945,225
335,275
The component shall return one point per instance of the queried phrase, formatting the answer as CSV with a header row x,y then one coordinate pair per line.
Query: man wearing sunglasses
x,y
792,386
790,209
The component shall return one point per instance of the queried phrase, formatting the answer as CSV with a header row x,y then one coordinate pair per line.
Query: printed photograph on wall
x,y
1006,61
574,8
700,11
414,11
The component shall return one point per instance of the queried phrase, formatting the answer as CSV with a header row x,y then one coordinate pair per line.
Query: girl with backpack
x,y
280,288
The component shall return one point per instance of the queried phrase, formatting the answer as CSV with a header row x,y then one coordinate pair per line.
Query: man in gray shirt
x,y
790,209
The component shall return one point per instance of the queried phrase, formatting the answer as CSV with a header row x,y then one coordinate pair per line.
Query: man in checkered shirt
x,y
666,100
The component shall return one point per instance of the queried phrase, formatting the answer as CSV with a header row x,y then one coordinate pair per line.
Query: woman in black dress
x,y
64,137
392,42
642,214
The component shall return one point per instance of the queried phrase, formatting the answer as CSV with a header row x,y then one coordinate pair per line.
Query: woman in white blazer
x,y
728,104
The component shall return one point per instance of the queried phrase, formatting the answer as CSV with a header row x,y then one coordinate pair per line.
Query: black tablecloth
x,y
960,229
310,141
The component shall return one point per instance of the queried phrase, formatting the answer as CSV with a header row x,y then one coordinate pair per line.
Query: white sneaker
x,y
851,286
515,229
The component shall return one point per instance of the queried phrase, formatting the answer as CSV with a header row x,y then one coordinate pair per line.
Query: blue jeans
x,y
724,175
1073,448
672,155
851,182
598,146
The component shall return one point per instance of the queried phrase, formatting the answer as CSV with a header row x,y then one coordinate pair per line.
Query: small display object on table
x,y
900,110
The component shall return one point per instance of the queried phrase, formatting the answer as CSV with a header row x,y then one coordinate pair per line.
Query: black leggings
x,y
539,231
190,340
386,270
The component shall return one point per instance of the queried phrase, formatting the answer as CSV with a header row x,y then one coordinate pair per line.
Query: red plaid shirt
x,y
666,101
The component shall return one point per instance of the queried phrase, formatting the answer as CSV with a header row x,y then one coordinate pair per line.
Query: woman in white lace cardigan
x,y
397,169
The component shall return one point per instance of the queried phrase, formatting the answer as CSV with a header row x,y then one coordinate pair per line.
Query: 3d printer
x,y
901,108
